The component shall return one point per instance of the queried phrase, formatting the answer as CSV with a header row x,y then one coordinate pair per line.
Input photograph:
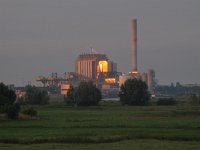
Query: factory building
x,y
134,71
148,78
145,77
102,71
93,66
112,66
151,80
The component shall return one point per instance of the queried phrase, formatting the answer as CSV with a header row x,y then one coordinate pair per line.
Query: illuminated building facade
x,y
94,66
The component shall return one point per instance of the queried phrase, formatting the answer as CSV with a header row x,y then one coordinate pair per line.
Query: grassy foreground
x,y
122,145
108,126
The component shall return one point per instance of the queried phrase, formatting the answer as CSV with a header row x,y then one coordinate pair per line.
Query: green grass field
x,y
108,126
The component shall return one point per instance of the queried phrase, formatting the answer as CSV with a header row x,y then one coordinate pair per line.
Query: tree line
x,y
132,92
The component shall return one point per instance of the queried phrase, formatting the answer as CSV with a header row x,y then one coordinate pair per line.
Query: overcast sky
x,y
38,37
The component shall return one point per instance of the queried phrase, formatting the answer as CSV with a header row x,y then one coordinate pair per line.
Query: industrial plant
x,y
95,66
102,71
149,77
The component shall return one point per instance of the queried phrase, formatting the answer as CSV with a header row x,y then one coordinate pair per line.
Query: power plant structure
x,y
134,46
95,66
149,77
52,80
88,65
151,80
134,72
103,72
99,69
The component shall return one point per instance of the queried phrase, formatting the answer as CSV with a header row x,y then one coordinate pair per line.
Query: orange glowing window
x,y
110,80
103,66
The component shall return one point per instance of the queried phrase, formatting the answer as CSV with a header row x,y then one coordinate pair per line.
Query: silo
x,y
145,77
151,80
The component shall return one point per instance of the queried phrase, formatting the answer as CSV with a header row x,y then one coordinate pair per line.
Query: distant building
x,y
64,89
20,93
145,77
93,66
151,80
112,66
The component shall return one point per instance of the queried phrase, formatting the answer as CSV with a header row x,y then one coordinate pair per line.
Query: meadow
x,y
108,126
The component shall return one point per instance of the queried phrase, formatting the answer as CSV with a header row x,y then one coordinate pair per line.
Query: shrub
x,y
134,92
30,112
13,111
166,101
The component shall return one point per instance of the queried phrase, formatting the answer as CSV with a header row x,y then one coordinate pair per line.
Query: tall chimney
x,y
134,45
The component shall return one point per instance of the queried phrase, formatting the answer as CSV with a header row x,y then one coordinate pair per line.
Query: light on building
x,y
103,66
110,80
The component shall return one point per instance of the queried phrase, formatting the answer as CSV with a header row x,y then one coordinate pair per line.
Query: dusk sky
x,y
38,37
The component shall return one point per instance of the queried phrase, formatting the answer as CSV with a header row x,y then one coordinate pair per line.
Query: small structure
x,y
64,89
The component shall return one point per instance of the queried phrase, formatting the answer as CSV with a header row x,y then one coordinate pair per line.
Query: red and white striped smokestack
x,y
134,45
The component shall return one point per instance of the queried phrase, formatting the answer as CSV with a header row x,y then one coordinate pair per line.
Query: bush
x,y
134,92
166,101
13,111
30,112
87,94
36,96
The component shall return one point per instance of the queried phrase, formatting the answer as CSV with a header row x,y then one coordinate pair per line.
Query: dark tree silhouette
x,y
36,96
134,92
7,96
87,94
7,102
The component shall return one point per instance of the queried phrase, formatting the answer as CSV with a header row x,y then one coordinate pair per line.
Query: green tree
x,y
134,92
7,102
87,94
36,96
7,96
